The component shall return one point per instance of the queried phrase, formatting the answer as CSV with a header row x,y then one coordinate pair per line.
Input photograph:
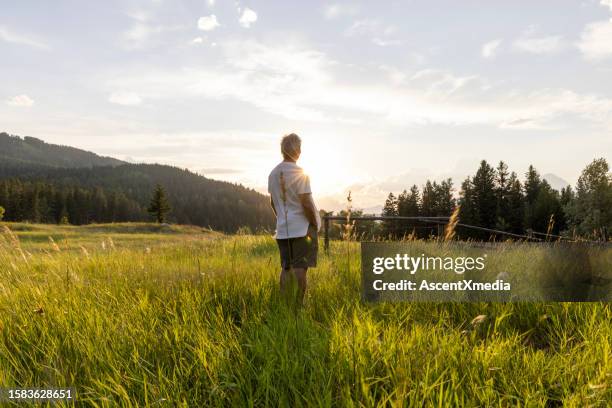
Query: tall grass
x,y
186,319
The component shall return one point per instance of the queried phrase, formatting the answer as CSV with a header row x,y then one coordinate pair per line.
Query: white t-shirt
x,y
291,222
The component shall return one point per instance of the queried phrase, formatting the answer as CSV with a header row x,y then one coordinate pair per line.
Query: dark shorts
x,y
299,252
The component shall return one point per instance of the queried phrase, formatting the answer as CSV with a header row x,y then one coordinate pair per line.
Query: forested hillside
x,y
32,151
87,193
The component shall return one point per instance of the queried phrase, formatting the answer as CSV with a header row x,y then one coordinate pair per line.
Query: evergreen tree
x,y
515,215
401,204
547,212
532,185
591,210
4,195
390,209
466,201
444,202
532,188
484,201
159,206
567,195
408,206
502,190
428,200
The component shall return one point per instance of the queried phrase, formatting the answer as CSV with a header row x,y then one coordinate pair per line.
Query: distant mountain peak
x,y
555,181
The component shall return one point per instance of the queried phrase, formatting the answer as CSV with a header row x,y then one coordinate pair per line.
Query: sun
x,y
329,170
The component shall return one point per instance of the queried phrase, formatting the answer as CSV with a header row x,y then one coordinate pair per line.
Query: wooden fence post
x,y
326,232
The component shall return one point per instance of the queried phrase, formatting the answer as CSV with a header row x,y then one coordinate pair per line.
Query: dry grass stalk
x,y
449,230
350,225
84,252
479,320
12,237
54,246
551,225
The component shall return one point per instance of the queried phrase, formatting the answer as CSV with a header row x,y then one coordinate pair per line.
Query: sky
x,y
384,94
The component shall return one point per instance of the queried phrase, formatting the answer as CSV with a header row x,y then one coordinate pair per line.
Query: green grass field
x,y
141,315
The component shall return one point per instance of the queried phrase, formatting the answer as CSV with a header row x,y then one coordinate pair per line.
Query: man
x,y
297,217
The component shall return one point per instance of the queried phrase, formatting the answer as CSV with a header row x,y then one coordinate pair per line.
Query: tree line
x,y
40,202
496,198
122,193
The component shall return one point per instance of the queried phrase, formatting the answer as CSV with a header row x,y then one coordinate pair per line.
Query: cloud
x,y
441,82
247,18
381,42
136,36
22,101
596,40
208,23
139,15
300,83
529,43
332,11
9,36
219,170
379,33
369,27
125,98
489,49
144,32
197,40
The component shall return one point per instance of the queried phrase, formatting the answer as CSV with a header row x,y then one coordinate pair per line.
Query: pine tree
x,y
428,199
547,213
466,201
485,202
533,183
444,200
159,206
408,206
402,201
591,209
390,209
502,191
4,194
515,216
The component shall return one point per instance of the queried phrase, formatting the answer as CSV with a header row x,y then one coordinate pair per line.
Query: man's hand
x,y
311,228
273,208
309,209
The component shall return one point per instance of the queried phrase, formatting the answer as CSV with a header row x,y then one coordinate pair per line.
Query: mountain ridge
x,y
32,150
81,187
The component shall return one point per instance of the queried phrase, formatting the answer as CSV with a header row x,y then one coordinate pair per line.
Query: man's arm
x,y
273,207
309,208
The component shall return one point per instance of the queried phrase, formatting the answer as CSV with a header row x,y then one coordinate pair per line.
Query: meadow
x,y
146,315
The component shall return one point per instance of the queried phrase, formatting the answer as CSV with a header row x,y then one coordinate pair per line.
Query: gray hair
x,y
290,146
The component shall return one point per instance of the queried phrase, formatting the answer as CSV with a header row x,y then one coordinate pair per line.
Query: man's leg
x,y
300,276
285,276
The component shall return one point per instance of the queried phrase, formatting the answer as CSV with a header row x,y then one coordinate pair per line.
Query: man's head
x,y
291,147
